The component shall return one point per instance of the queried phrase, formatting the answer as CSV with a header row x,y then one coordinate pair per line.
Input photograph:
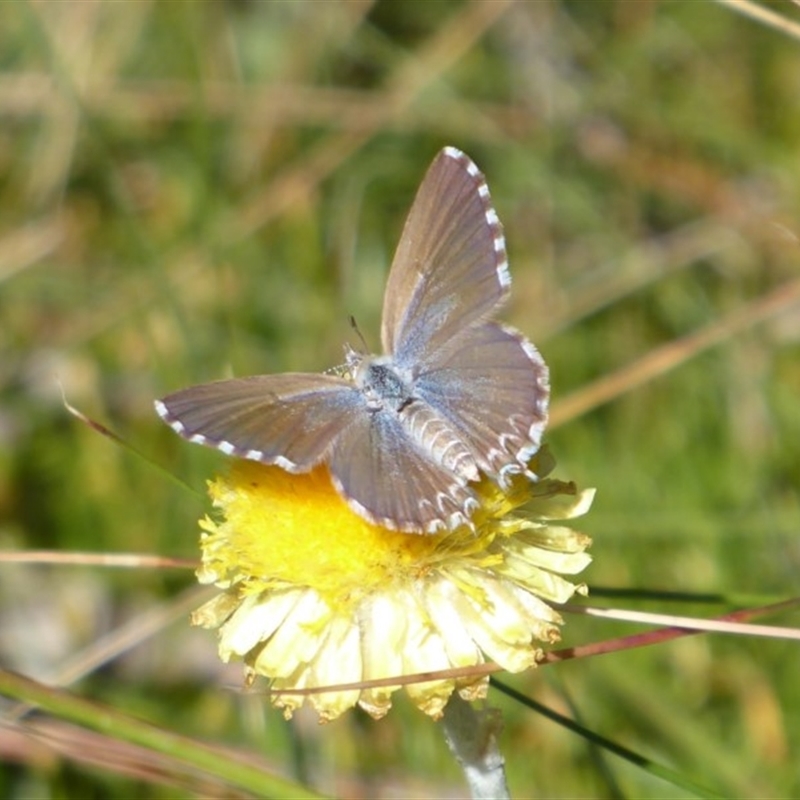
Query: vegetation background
x,y
190,190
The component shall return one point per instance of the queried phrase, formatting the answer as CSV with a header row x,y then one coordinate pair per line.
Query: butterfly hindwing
x,y
391,481
492,385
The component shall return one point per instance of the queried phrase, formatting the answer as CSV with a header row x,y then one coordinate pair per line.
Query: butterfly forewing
x,y
450,267
291,420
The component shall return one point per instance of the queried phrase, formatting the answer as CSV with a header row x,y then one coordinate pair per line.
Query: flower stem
x,y
472,737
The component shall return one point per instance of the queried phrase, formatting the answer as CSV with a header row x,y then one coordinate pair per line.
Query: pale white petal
x,y
383,624
338,661
425,652
499,608
505,639
534,607
216,611
256,620
553,560
553,537
297,640
562,506
290,701
546,584
439,597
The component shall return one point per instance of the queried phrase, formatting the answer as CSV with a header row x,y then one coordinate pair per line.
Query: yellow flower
x,y
316,596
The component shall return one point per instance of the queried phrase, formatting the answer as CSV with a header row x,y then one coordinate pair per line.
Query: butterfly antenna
x,y
354,326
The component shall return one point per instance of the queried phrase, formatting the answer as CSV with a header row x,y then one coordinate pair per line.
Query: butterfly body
x,y
454,395
382,385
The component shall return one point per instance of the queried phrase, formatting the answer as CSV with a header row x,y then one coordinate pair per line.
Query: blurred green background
x,y
192,190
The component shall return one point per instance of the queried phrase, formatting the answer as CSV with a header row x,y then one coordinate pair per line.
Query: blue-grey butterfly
x,y
455,394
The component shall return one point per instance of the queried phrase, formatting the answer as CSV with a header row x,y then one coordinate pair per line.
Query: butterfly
x,y
405,435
